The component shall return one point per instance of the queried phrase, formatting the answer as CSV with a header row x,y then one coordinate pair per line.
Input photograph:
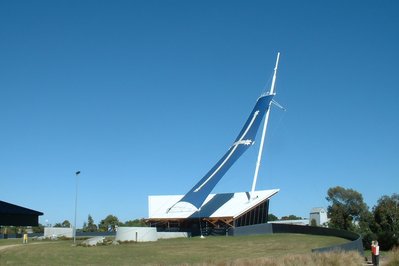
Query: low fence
x,y
78,234
355,243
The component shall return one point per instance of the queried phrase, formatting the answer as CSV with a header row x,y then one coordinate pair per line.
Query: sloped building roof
x,y
11,214
215,205
317,210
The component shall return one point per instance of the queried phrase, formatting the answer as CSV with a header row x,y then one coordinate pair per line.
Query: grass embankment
x,y
290,249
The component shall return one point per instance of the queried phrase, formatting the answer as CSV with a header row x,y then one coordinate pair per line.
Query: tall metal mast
x,y
264,130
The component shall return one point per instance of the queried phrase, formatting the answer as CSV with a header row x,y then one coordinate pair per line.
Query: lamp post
x,y
76,207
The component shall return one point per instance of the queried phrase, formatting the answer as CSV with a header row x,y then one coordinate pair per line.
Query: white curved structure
x,y
137,234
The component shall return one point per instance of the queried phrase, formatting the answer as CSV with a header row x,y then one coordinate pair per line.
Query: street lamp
x,y
76,207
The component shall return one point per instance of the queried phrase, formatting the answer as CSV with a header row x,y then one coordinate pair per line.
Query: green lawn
x,y
163,252
11,241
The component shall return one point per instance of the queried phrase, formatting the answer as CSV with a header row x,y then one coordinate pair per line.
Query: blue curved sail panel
x,y
197,195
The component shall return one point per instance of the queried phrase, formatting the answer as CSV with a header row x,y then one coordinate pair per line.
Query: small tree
x,y
65,223
135,223
347,208
291,217
386,216
364,228
90,226
108,223
313,222
271,217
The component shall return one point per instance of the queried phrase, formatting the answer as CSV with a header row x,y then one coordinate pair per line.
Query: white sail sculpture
x,y
196,197
262,142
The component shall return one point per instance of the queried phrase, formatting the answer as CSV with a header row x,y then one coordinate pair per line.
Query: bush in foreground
x,y
314,259
393,257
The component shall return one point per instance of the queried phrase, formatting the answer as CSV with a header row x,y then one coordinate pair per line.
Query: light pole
x,y
76,207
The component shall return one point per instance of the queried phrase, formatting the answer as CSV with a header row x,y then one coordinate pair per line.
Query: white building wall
x,y
167,235
58,231
296,222
137,234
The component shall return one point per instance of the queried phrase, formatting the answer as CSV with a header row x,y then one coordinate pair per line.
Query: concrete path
x,y
18,245
9,246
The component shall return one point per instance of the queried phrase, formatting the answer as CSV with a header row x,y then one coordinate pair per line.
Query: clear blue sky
x,y
143,97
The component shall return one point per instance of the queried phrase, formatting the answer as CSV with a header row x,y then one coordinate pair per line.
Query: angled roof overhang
x,y
215,205
14,215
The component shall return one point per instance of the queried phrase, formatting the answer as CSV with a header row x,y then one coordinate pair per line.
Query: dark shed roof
x,y
11,214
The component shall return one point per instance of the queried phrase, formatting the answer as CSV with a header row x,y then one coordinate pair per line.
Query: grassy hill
x,y
248,250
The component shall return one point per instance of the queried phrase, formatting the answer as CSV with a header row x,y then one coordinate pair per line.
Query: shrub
x,y
367,238
387,240
314,259
393,257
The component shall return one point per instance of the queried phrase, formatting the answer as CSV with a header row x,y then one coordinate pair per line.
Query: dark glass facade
x,y
215,225
257,215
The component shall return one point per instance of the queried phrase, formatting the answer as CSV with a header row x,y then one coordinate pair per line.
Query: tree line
x,y
271,217
109,223
348,211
